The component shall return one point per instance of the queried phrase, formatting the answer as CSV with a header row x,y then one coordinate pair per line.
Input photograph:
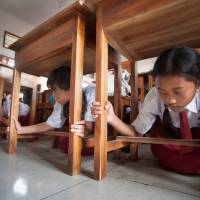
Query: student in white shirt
x,y
176,93
23,110
59,82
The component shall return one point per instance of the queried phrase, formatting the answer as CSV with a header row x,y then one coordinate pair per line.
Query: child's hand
x,y
78,128
96,110
18,126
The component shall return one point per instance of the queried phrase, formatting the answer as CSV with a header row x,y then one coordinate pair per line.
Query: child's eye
x,y
177,92
162,93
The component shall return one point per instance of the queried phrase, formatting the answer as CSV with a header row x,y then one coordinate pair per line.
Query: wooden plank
x,y
150,82
117,90
100,150
56,133
12,136
141,87
151,140
143,29
26,136
44,105
76,94
134,91
1,92
55,40
115,145
32,112
68,13
134,104
117,99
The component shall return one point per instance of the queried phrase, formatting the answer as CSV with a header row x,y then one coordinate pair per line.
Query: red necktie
x,y
185,132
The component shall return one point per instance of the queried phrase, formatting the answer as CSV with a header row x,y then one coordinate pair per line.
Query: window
x,y
9,39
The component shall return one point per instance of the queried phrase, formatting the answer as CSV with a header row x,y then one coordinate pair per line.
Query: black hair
x,y
181,61
59,77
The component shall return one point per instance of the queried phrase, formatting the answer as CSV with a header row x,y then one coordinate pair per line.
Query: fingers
x,y
82,122
78,128
96,109
80,134
95,103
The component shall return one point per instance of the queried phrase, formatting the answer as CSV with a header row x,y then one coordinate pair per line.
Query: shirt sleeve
x,y
6,107
56,119
23,109
148,112
89,93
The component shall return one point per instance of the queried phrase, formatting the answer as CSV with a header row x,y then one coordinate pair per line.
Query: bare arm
x,y
121,127
113,120
37,128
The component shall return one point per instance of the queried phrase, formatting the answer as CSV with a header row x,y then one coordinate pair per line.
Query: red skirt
x,y
172,159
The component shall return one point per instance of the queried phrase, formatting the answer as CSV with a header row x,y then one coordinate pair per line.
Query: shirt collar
x,y
192,106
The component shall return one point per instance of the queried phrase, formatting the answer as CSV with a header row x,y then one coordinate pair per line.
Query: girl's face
x,y
61,96
175,91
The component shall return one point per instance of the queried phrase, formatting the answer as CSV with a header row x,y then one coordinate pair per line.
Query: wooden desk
x,y
68,37
138,30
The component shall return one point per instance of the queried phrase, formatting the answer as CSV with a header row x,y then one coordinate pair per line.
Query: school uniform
x,y
23,108
57,118
150,117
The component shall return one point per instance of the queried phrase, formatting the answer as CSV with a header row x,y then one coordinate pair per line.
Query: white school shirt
x,y
153,106
23,108
57,118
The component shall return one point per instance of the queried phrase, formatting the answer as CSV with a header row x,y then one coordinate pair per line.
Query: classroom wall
x,y
14,25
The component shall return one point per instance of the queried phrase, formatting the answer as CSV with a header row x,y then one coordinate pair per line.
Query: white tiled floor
x,y
39,172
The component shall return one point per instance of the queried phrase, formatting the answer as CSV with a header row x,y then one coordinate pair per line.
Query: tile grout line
x,y
51,195
189,194
155,186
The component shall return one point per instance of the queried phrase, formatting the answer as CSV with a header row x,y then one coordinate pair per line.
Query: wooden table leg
x,y
1,91
134,105
12,135
33,104
100,151
75,143
117,100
